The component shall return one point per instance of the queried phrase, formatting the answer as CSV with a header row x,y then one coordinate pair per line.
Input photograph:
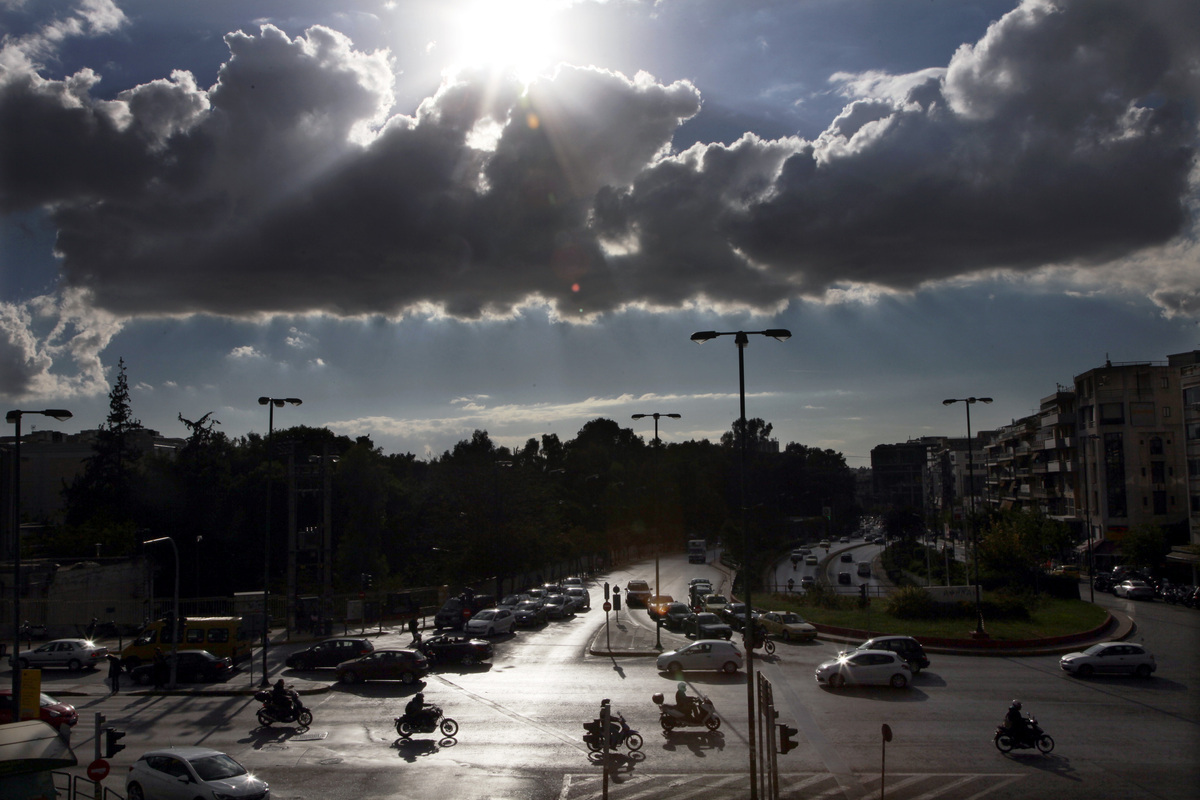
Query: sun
x,y
519,37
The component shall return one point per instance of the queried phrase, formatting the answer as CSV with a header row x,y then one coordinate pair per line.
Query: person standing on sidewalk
x,y
114,672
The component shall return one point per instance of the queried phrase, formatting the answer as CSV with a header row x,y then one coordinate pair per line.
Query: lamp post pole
x,y
60,414
658,544
1087,501
741,339
271,403
967,401
178,629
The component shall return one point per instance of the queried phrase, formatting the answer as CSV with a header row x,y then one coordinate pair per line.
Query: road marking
x,y
576,742
792,786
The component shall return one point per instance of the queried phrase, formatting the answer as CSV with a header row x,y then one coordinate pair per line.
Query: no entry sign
x,y
98,769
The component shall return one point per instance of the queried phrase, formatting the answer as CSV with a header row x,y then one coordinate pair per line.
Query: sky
x,y
429,217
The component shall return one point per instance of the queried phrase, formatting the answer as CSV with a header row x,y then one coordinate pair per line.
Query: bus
x,y
697,551
224,637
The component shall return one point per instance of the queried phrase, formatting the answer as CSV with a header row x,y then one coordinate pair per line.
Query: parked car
x,y
406,666
510,601
52,712
556,606
676,614
567,583
194,666
906,646
580,599
657,606
703,654
1134,590
445,648
455,612
706,625
715,602
184,773
637,593
329,653
490,622
529,614
863,667
1109,658
74,654
788,626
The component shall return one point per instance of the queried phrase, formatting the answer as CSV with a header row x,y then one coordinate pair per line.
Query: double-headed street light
x,y
967,401
741,340
271,403
62,415
658,545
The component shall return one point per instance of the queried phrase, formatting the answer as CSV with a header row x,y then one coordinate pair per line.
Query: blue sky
x,y
426,218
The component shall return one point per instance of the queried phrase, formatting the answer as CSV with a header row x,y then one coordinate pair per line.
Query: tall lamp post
x,y
741,339
658,544
62,415
271,403
967,401
175,623
1087,505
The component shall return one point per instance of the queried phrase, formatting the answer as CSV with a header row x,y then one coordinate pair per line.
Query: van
x,y
457,610
224,637
864,568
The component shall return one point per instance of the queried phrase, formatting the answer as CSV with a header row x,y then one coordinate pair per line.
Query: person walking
x,y
114,672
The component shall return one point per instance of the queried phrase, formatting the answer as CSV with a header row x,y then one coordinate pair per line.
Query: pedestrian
x,y
414,629
114,672
160,668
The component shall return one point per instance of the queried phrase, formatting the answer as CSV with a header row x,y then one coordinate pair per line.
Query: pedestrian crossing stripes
x,y
792,786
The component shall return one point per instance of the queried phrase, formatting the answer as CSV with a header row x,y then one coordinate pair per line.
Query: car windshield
x,y
46,700
216,767
528,605
790,619
485,615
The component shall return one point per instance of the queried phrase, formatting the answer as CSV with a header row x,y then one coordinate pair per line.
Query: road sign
x,y
98,769
607,606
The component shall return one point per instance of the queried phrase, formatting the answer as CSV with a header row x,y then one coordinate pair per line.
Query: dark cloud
x,y
1066,136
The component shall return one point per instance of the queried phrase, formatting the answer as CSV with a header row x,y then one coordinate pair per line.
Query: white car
x,y
715,603
490,622
1134,590
881,667
1109,658
567,583
702,654
74,654
188,773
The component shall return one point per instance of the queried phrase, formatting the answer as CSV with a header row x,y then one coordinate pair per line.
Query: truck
x,y
697,551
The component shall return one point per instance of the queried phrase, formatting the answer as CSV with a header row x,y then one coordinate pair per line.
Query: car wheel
x,y
74,665
837,681
141,678
916,668
898,681
135,792
1085,671
469,661
131,663
23,663
408,678
349,676
1142,671
674,667
729,667
787,637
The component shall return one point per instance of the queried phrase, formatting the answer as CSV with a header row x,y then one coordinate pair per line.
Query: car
x,y
51,711
580,599
406,666
510,601
811,561
74,654
844,577
715,602
556,606
184,773
807,582
329,653
824,543
844,540
734,615
847,556
1109,658
491,621
864,667
1134,590
567,583
788,626
445,648
193,666
703,654
707,625
529,614
657,605
906,646
675,614
637,593
864,568
694,581
455,612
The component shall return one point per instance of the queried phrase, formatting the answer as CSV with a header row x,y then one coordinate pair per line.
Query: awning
x,y
32,746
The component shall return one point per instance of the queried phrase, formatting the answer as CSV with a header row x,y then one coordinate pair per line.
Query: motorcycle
x,y
1033,736
702,713
761,642
430,719
619,734
270,713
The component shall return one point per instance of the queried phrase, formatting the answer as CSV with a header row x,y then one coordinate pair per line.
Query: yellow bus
x,y
222,636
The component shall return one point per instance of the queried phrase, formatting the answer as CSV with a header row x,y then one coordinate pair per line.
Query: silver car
x,y
703,654
191,773
1110,658
74,654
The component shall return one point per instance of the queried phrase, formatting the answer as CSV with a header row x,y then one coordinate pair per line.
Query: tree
x,y
758,434
1145,546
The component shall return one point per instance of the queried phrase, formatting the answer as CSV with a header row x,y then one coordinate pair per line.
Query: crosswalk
x,y
792,786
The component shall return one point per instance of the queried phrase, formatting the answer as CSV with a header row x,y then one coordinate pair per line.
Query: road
x,y
521,722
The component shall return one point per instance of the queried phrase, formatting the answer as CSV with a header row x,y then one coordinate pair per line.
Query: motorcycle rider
x,y
686,705
418,712
283,699
1016,721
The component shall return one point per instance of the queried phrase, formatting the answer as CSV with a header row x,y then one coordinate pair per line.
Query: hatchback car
x,y
193,666
490,622
447,648
864,667
52,712
529,614
1109,658
406,666
329,653
907,647
192,773
74,654
704,654
706,625
788,626
556,606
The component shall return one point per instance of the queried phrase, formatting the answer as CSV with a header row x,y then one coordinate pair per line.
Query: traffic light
x,y
786,742
862,591
616,600
111,737
606,590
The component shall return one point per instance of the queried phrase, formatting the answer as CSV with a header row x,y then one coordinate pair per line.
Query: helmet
x,y
420,695
681,686
1016,704
279,683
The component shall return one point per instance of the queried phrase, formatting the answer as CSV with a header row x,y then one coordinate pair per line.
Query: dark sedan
x,y
329,653
406,666
675,614
448,648
734,615
194,666
707,626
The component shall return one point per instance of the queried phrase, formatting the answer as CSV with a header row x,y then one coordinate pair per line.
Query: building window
x,y
1158,472
1166,411
1193,431
1156,446
1193,465
1166,382
1191,396
1114,475
1160,502
1196,503
1141,414
1112,413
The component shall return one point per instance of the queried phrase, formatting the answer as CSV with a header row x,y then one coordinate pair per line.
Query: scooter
x,y
430,719
671,717
619,734
269,713
1033,736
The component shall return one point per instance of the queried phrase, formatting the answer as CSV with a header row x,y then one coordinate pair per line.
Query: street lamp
x,y
740,339
62,415
178,629
658,544
271,403
1087,501
967,401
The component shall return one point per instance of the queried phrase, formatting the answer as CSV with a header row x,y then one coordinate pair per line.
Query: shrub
x,y
912,602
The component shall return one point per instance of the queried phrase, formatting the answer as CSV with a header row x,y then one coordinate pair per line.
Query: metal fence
x,y
80,787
